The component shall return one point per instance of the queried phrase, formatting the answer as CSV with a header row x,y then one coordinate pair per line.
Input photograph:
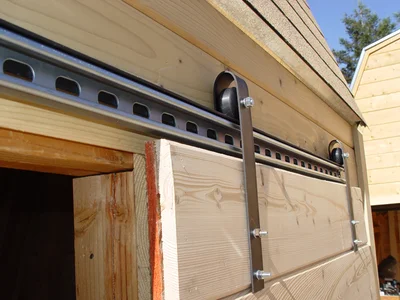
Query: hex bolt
x,y
258,233
346,155
355,222
260,274
247,102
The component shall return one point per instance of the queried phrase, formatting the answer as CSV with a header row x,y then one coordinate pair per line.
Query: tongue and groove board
x,y
200,248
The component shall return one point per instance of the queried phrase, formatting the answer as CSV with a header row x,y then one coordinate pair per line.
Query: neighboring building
x,y
376,87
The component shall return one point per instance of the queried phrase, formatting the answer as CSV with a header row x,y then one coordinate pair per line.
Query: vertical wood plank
x,y
154,223
105,241
142,228
358,207
363,184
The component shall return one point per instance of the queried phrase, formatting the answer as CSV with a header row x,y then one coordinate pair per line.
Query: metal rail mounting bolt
x,y
340,157
232,99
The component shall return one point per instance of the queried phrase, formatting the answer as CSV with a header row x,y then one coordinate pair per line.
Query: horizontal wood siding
x,y
379,102
381,74
301,214
378,95
383,59
383,116
348,277
385,193
378,88
27,118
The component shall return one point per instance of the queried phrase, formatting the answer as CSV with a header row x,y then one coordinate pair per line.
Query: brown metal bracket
x,y
343,157
224,81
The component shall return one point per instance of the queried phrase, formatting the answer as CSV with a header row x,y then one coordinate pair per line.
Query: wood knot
x,y
217,194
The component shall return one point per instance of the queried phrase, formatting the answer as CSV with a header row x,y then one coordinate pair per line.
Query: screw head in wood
x,y
260,274
247,102
258,233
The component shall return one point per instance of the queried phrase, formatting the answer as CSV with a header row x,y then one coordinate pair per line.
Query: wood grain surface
x,y
204,224
126,39
105,243
346,277
27,118
200,21
26,151
142,229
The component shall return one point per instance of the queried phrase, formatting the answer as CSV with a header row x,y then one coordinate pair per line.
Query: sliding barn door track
x,y
41,75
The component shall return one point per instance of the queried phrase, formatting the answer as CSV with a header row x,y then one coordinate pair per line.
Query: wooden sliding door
x,y
202,250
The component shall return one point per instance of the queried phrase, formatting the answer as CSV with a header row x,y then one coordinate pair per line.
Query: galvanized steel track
x,y
44,76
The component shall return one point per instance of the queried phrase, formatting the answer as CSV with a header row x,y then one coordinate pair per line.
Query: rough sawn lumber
x,y
202,219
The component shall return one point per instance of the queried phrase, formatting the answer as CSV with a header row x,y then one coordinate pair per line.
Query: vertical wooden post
x,y
363,184
142,229
105,240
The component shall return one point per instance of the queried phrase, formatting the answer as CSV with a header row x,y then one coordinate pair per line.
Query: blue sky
x,y
330,13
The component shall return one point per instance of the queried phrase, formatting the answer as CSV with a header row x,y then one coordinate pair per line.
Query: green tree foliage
x,y
363,28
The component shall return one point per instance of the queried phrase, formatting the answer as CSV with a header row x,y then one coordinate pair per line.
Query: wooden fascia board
x,y
204,37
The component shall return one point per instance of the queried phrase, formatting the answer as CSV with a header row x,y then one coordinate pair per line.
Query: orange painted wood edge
x,y
154,221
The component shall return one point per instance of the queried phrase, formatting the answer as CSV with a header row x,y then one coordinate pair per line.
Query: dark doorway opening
x,y
36,236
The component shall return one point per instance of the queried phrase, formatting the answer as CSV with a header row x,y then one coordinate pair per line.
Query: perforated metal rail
x,y
45,76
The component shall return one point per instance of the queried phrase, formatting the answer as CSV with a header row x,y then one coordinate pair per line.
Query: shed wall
x,y
378,96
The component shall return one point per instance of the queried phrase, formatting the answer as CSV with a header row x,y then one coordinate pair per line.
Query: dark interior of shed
x,y
386,220
36,236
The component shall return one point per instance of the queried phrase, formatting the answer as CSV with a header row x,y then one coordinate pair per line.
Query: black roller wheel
x,y
227,103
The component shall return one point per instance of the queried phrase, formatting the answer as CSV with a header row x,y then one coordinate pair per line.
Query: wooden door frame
x,y
363,184
105,191
26,151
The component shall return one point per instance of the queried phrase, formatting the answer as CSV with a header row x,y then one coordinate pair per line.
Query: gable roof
x,y
366,52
